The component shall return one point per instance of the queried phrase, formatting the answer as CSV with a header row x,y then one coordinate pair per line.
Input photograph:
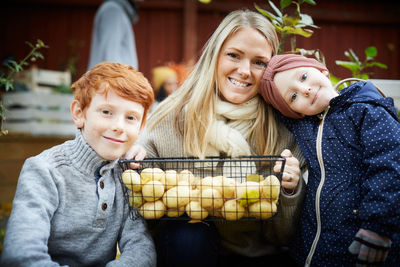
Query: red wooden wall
x,y
176,30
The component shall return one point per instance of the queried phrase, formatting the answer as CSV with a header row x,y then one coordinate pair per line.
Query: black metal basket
x,y
216,188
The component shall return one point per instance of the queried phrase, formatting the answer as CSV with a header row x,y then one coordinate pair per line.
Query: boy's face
x,y
305,89
110,125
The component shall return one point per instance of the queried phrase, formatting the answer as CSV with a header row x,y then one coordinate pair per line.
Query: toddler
x,y
351,142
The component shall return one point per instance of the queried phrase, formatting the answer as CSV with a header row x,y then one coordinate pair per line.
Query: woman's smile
x,y
238,83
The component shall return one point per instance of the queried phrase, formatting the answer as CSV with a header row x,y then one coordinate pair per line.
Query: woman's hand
x,y
291,173
136,152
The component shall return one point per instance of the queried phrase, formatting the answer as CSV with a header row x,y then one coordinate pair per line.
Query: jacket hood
x,y
365,92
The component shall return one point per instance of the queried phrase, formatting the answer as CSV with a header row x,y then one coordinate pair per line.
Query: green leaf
x,y
18,68
38,55
371,51
9,86
306,20
277,11
290,20
349,65
12,64
259,9
367,58
269,15
30,45
347,54
354,56
301,25
311,2
364,76
376,64
40,42
285,3
381,65
278,28
298,31
205,1
277,20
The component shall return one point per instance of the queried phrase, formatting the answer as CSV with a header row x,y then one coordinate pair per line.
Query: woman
x,y
217,111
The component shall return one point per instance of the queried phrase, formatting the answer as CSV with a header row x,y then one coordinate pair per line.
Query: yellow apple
x,y
232,211
132,180
195,211
153,190
262,209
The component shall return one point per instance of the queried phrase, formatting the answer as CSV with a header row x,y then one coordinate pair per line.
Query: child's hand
x,y
137,152
371,248
291,173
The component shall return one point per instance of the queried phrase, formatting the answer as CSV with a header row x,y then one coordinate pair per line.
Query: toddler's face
x,y
305,89
111,124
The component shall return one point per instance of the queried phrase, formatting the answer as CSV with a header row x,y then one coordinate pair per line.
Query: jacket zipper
x,y
321,184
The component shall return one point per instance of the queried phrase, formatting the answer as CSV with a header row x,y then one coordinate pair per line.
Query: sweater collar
x,y
84,158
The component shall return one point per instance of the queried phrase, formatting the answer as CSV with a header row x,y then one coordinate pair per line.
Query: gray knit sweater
x,y
62,216
249,238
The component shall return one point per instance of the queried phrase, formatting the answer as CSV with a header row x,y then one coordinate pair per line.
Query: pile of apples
x,y
156,193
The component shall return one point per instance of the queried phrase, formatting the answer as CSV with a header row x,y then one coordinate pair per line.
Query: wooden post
x,y
189,30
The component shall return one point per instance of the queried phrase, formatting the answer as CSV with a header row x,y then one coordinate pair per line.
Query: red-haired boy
x,y
69,207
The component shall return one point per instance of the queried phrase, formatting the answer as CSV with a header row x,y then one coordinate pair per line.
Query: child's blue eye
x,y
293,98
304,77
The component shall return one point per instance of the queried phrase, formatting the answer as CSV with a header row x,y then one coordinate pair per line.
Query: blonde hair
x,y
194,100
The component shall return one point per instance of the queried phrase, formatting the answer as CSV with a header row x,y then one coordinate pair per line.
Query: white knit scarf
x,y
229,130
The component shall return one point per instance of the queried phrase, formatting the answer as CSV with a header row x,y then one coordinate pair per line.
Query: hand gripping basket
x,y
215,188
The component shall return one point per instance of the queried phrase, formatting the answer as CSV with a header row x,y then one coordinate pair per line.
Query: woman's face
x,y
241,63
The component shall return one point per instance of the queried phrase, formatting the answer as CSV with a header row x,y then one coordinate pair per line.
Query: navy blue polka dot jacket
x,y
354,175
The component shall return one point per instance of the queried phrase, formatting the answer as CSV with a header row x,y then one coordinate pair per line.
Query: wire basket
x,y
215,188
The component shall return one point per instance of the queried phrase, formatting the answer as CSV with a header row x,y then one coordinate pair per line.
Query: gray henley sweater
x,y
63,215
